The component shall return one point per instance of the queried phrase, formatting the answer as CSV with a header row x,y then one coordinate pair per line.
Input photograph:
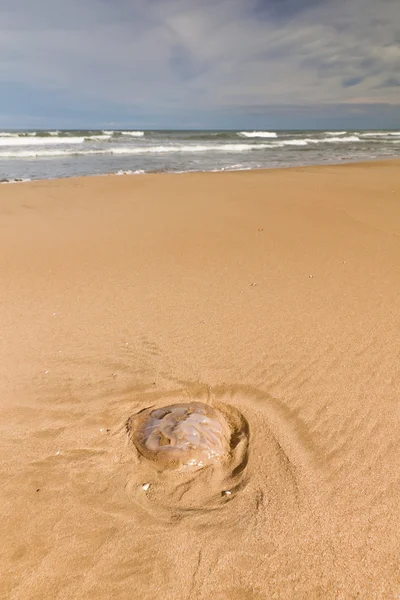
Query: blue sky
x,y
200,63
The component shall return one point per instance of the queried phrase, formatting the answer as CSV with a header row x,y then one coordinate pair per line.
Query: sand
x,y
275,295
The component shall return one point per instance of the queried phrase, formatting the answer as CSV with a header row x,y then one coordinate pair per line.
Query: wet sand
x,y
272,296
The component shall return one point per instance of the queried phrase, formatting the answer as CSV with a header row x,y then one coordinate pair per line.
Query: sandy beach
x,y
274,294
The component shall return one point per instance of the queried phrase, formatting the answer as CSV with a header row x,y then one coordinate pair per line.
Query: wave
x,y
42,133
68,133
131,133
238,167
140,150
291,143
48,153
198,148
128,150
203,135
118,132
257,134
94,138
380,134
307,141
138,172
335,132
332,140
31,140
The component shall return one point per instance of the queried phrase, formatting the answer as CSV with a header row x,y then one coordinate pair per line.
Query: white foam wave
x,y
258,134
335,132
25,134
380,134
291,143
127,150
47,153
132,133
32,140
173,148
198,148
331,140
231,168
29,140
97,138
138,172
307,141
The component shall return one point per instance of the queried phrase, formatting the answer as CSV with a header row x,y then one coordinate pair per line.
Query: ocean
x,y
29,155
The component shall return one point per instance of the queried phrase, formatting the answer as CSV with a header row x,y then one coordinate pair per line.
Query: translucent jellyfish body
x,y
191,434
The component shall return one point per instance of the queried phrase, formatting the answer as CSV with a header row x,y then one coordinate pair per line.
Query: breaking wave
x,y
341,140
258,134
131,133
31,140
383,134
165,149
126,150
47,153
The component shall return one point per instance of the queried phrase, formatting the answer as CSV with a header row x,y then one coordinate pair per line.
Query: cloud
x,y
352,81
179,61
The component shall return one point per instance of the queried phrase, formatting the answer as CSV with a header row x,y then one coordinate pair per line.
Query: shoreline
x,y
371,162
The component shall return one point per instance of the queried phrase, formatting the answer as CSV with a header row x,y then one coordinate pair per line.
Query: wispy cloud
x,y
171,62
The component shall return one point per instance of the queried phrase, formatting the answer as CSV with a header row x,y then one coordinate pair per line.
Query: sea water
x,y
26,155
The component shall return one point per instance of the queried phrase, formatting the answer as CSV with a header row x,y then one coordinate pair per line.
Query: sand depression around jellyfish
x,y
189,454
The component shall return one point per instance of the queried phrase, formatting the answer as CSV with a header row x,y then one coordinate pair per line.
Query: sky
x,y
208,64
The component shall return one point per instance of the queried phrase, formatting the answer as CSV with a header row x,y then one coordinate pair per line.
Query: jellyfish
x,y
192,434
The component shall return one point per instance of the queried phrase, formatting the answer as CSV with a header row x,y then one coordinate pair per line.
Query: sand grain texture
x,y
274,294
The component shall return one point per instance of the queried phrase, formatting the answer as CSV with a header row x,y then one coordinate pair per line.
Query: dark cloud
x,y
390,82
351,81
